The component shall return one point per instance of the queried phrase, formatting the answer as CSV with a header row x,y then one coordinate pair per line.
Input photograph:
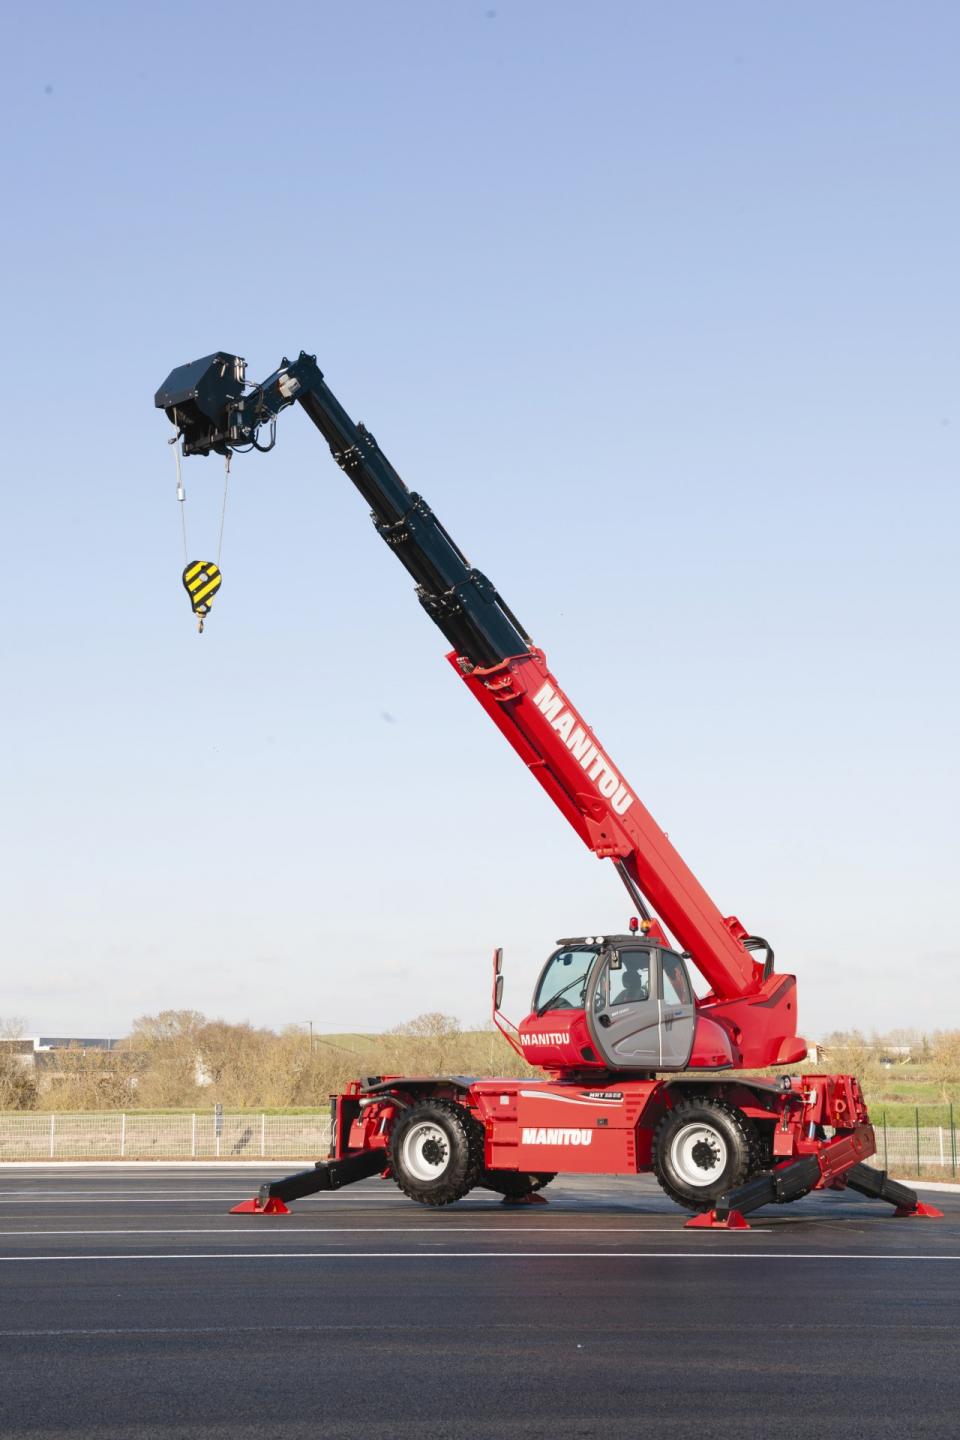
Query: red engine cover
x,y
559,1040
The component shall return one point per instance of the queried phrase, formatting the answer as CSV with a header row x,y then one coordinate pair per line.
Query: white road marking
x,y
407,1328
403,1326
394,1230
174,1198
178,1194
99,1194
199,1198
467,1255
235,1165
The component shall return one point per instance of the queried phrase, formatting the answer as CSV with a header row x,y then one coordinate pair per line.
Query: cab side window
x,y
676,986
631,983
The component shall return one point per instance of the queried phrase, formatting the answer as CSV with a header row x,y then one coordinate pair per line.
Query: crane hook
x,y
201,580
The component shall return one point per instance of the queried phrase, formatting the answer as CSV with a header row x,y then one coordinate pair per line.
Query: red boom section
x,y
524,700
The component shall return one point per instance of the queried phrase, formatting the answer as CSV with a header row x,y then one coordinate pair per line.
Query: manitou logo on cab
x,y
546,1037
534,1136
578,742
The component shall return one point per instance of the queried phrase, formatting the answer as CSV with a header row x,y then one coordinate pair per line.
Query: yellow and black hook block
x,y
201,580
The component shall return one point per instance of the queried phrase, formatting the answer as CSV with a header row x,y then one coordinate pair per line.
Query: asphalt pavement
x,y
133,1305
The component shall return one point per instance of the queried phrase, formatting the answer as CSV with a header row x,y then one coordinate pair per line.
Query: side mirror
x,y
500,1021
497,979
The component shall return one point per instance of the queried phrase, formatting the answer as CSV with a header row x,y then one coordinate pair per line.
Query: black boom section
x,y
460,601
205,400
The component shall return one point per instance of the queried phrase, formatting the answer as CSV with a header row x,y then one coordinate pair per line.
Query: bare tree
x,y
943,1062
434,1036
18,1080
87,1079
848,1052
168,1046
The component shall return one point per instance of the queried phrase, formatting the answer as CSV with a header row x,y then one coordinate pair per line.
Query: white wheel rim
x,y
699,1155
425,1152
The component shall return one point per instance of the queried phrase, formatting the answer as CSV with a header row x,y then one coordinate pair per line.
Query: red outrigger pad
x,y
273,1206
710,1220
919,1211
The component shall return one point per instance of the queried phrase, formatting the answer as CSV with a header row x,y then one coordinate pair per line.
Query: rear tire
x,y
436,1152
703,1148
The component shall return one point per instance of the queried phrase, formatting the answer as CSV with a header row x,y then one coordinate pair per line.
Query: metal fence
x,y
907,1149
206,1135
903,1149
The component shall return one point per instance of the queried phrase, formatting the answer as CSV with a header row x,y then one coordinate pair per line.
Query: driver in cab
x,y
632,981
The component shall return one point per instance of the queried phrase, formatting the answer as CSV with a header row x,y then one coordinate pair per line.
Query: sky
x,y
658,307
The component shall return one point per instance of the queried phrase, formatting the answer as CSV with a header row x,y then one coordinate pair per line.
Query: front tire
x,y
436,1152
703,1148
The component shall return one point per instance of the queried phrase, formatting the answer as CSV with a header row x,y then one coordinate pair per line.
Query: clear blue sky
x,y
658,306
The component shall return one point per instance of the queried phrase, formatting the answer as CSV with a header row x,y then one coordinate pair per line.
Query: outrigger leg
x,y
797,1179
326,1175
878,1186
777,1187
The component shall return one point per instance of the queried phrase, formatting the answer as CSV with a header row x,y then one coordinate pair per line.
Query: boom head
x,y
198,398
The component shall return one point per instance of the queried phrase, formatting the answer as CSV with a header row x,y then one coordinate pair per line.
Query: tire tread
x,y
748,1148
465,1177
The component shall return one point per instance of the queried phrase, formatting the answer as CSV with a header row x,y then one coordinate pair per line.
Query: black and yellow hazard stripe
x,y
202,580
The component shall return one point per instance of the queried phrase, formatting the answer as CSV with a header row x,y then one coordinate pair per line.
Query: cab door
x,y
623,1009
678,1012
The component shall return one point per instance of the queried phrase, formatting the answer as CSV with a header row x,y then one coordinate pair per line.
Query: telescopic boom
x,y
215,410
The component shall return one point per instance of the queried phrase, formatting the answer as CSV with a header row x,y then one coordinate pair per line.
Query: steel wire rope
x,y
223,506
181,495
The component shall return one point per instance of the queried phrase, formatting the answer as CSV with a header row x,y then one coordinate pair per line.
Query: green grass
x,y
917,1092
942,1173
900,1117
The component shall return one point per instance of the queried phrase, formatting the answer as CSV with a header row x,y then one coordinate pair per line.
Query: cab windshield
x,y
564,981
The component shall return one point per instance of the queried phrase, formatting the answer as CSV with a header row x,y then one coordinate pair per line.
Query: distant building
x,y
42,1054
888,1055
22,1050
71,1042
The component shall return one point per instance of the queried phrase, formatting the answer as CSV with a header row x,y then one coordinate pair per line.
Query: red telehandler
x,y
641,1073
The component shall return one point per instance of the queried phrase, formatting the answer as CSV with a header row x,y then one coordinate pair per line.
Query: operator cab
x,y
635,998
